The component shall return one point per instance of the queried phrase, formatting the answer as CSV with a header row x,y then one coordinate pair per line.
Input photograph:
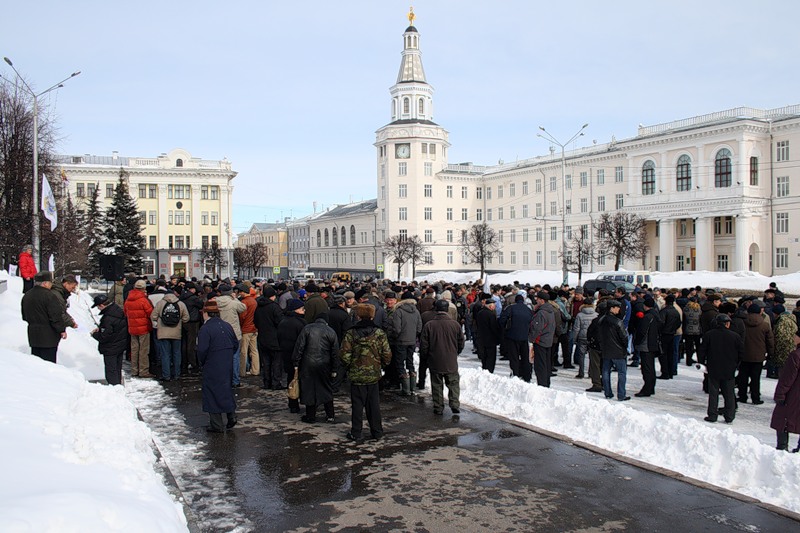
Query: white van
x,y
637,277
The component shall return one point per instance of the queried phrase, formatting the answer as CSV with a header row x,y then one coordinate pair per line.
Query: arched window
x,y
179,162
319,239
684,173
335,236
648,178
406,106
344,236
421,106
327,238
722,168
352,235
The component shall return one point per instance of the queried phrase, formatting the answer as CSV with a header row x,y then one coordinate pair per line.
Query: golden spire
x,y
411,15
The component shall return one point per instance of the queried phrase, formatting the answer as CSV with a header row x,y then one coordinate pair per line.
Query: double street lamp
x,y
548,136
35,200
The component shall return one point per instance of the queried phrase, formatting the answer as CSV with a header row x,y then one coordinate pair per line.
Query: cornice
x,y
705,208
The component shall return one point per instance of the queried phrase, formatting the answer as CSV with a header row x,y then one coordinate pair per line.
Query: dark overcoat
x,y
42,311
441,341
266,318
315,353
112,333
288,330
216,344
721,351
786,417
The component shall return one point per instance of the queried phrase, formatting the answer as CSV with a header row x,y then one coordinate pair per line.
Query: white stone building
x,y
343,239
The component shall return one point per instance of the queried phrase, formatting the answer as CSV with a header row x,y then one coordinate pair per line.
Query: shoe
x,y
376,436
308,420
330,420
437,412
232,422
455,410
633,365
579,376
729,420
643,394
594,389
164,380
662,377
609,397
710,419
294,409
214,430
625,399
146,375
237,385
354,438
553,375
740,400
569,367
758,402
420,385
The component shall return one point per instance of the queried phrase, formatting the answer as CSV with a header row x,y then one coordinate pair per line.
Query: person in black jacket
x,y
111,337
488,331
614,342
42,311
670,324
266,318
289,330
646,342
315,352
194,304
515,320
721,351
339,320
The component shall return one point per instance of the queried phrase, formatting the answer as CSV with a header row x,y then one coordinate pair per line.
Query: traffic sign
x,y
276,270
379,268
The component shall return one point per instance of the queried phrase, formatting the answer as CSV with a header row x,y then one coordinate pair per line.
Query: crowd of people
x,y
361,338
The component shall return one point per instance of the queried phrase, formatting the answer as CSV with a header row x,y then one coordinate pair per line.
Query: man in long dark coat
x,y
216,344
315,354
43,313
721,350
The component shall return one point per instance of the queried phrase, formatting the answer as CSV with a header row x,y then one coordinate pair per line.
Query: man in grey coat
x,y
441,342
542,332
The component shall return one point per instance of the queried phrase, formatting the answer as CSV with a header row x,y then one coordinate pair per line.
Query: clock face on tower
x,y
402,151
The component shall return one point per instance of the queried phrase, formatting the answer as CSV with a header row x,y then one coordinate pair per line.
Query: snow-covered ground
x,y
73,455
76,451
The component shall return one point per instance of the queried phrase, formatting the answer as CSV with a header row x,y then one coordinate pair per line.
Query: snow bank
x,y
696,449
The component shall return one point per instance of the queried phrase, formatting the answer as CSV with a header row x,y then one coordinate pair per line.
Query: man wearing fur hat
x,y
42,312
541,336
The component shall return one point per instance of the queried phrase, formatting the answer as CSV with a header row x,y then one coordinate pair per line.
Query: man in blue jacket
x,y
515,321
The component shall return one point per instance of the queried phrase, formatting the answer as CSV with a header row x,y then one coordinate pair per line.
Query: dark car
x,y
594,285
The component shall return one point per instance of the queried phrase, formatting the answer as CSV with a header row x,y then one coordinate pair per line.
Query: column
x,y
666,245
704,243
741,247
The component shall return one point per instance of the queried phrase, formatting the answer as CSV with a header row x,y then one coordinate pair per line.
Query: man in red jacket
x,y
137,310
27,268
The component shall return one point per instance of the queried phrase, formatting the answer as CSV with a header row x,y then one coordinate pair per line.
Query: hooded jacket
x,y
582,321
266,318
246,317
543,325
691,319
229,309
441,342
405,323
138,310
112,334
164,331
365,350
759,342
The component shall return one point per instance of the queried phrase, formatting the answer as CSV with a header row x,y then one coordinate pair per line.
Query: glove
x,y
333,375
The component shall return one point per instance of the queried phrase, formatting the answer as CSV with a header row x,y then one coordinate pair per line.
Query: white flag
x,y
51,264
49,204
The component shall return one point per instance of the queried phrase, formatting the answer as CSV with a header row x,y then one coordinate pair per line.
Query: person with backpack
x,y
170,314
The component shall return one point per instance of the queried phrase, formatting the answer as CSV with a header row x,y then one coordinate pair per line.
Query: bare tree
x,y
417,254
214,258
241,261
256,256
398,249
579,250
480,245
621,235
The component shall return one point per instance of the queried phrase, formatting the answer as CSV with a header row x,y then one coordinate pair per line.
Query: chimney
x,y
315,207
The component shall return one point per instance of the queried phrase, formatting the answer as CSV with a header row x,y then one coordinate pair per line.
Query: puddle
x,y
486,436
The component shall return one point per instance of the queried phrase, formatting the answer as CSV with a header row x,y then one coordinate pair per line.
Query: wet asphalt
x,y
459,473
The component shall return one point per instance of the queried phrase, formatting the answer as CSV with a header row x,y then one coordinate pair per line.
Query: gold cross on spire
x,y
411,15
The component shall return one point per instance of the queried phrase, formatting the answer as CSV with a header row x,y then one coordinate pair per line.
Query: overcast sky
x,y
292,92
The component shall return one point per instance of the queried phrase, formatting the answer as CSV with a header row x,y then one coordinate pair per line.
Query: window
x,y
406,106
149,266
428,191
428,257
152,191
584,205
680,261
170,218
512,213
428,213
722,263
782,186
449,191
753,171
90,188
568,207
525,258
500,258
214,218
552,183
179,218
524,210
464,213
109,190
383,192
319,239
601,176
619,201
684,173
729,225
342,236
524,188
525,234
402,169
402,213
648,178
403,234
722,169
538,188
539,234
568,231
464,193
488,193
152,242
428,168
553,257
153,218
432,149
479,193
79,192
142,190
449,235
499,191
449,213
424,148
682,228
781,257
142,218
449,258
500,236
618,176
179,242
538,209
512,235
479,214
553,208
601,203
781,222
489,214
538,257
214,190
499,213
553,233
601,259
421,106
352,236
402,190
512,190
428,236
782,151
568,181
204,192
584,179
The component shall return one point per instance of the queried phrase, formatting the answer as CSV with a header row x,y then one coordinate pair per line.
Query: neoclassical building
x,y
274,236
184,203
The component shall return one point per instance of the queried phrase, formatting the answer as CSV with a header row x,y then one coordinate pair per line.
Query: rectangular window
x,y
402,169
383,192
781,257
682,228
680,263
601,259
214,190
403,235
479,193
782,151
479,215
525,258
449,191
428,236
512,213
538,257
204,192
524,210
464,213
512,235
204,218
524,234
717,226
524,188
499,213
428,191
538,209
619,201
753,171
601,176
499,258
170,218
553,208
428,213
553,257
90,188
142,217
402,190
170,242
179,242
539,234
618,175
109,190
782,223
153,219
538,188
568,207
142,190
722,263
449,258
465,193
214,218
428,257
568,231
553,183
204,241
428,168
152,191
449,213
499,191
729,225
489,214
79,191
450,235
512,190
568,181
500,236
402,213
584,179
584,205
782,186
424,147
553,233
152,240
488,193
179,218
601,203
432,149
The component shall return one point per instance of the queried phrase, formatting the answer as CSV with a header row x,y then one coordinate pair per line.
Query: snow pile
x,y
73,454
693,448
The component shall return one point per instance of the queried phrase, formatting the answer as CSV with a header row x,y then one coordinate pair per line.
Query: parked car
x,y
100,284
594,285
638,277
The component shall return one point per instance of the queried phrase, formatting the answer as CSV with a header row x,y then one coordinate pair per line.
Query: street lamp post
x,y
35,200
546,135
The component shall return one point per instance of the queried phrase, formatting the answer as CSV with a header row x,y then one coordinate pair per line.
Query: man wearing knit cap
x,y
42,312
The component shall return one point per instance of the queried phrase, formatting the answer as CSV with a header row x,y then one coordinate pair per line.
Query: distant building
x,y
275,239
343,239
184,204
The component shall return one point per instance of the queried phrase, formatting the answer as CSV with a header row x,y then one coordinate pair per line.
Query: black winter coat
x,y
613,337
670,320
721,351
707,314
193,303
315,353
288,330
441,341
42,311
267,318
339,321
520,316
648,331
112,334
488,327
216,344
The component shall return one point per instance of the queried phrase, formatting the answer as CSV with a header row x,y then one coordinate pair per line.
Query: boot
x,y
404,386
421,383
783,440
412,383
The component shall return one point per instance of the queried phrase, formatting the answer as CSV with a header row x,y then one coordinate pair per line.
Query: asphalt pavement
x,y
460,473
